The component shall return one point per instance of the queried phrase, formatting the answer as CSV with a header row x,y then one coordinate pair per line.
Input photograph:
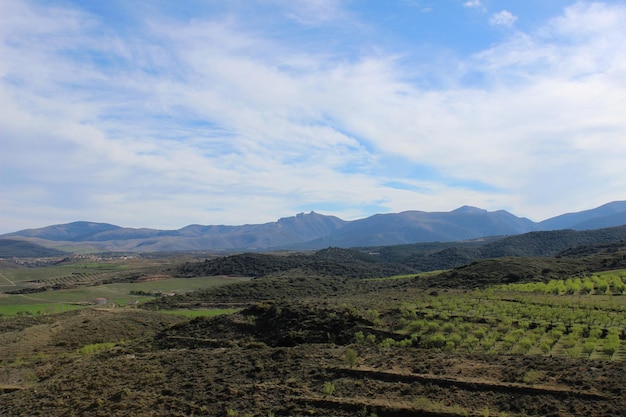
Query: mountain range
x,y
316,231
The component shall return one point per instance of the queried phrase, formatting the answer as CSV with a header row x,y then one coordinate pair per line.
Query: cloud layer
x,y
231,118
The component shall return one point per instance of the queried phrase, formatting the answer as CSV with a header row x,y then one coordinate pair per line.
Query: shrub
x,y
95,348
388,342
589,347
329,388
351,357
611,345
532,377
437,341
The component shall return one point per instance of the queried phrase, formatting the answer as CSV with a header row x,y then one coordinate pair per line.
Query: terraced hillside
x,y
303,359
498,337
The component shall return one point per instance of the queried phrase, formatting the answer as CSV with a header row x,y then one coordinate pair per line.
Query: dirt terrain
x,y
280,359
317,340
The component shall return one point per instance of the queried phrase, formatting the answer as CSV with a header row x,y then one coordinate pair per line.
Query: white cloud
x,y
208,122
503,18
473,3
314,12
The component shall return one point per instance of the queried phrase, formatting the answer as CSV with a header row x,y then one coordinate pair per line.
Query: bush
x,y
351,357
95,348
329,388
532,377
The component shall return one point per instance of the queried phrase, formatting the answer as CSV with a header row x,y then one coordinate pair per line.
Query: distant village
x,y
57,260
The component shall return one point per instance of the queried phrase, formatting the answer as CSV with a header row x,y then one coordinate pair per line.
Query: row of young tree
x,y
499,322
607,283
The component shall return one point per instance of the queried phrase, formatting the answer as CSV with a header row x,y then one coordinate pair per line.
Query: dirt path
x,y
45,301
10,283
467,384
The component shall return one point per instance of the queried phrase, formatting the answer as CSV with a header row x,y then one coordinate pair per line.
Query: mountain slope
x,y
10,248
72,232
282,233
418,226
607,215
317,231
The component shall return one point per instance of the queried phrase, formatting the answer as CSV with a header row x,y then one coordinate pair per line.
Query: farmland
x,y
77,284
301,339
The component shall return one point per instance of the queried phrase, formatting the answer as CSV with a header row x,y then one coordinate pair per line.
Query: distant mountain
x,y
282,233
71,232
419,226
317,231
607,215
10,248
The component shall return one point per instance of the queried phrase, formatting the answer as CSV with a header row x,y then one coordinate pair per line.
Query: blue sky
x,y
167,113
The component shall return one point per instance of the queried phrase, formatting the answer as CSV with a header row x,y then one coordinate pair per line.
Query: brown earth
x,y
285,359
32,347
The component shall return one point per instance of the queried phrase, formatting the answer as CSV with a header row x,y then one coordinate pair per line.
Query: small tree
x,y
611,345
351,357
589,347
329,388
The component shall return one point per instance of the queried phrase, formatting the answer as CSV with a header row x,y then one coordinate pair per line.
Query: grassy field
x,y
35,309
577,317
19,277
83,273
118,294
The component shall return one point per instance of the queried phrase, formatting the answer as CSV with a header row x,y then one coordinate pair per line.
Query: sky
x,y
162,113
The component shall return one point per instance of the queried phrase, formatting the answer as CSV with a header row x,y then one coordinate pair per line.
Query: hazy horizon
x,y
276,220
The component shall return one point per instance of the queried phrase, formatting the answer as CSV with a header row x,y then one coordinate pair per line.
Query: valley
x,y
334,332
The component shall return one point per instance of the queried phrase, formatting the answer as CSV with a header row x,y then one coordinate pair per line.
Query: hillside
x,y
367,351
335,272
314,231
404,259
333,333
416,226
334,262
13,248
607,215
282,233
534,244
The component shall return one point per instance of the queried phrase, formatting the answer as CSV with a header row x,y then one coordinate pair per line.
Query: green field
x,y
116,294
576,318
36,309
582,317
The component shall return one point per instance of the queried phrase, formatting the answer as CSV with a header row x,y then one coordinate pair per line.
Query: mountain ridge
x,y
312,231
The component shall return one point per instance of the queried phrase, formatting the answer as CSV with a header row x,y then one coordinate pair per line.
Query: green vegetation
x,y
437,406
329,388
95,348
328,262
334,333
351,357
118,294
608,282
506,321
